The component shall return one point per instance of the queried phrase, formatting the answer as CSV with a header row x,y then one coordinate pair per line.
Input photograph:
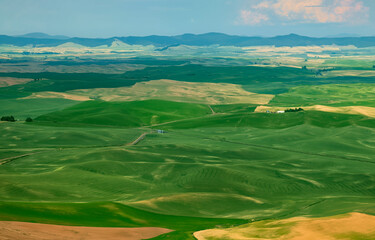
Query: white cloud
x,y
252,18
261,5
318,11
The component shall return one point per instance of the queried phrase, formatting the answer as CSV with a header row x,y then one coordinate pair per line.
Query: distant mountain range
x,y
41,39
42,35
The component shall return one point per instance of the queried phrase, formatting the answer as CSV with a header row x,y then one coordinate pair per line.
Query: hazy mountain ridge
x,y
192,40
42,35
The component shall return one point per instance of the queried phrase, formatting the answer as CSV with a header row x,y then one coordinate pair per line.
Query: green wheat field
x,y
187,144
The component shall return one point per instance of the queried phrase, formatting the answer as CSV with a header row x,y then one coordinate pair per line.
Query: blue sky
x,y
107,18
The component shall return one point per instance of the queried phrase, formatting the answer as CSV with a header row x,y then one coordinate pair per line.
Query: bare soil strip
x,y
9,159
204,93
358,110
213,112
37,231
136,141
9,81
61,95
349,226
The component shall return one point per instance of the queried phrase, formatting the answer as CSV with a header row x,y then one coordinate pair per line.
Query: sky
x,y
108,18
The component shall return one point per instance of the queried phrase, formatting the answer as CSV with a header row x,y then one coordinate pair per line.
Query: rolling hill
x,y
192,40
126,114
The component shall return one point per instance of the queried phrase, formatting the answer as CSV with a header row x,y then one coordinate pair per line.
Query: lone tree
x,y
8,118
29,119
294,110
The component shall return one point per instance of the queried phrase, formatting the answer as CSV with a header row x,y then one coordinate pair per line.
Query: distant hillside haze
x,y
42,35
206,39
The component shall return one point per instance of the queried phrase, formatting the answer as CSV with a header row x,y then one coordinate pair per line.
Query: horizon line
x,y
343,35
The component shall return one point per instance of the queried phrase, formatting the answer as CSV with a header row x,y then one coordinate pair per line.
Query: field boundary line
x,y
136,141
10,159
213,112
187,119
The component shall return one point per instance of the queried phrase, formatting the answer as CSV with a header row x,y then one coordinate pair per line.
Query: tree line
x,y
294,110
12,119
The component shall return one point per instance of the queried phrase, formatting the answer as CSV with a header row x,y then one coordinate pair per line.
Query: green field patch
x,y
337,95
203,93
61,82
347,141
254,79
203,204
218,163
263,80
213,172
127,114
233,108
29,136
23,108
104,214
276,121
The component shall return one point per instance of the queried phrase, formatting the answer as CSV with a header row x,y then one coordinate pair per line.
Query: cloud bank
x,y
306,11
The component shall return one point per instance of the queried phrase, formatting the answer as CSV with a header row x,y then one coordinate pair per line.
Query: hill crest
x,y
206,39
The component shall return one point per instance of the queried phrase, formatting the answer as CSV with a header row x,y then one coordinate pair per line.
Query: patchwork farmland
x,y
174,147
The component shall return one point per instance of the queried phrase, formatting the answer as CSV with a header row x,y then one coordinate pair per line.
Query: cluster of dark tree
x,y
320,72
12,119
294,110
8,118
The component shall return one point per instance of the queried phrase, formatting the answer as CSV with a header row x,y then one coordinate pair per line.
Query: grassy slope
x,y
108,214
227,171
360,94
103,214
23,108
128,114
268,80
234,108
222,172
29,136
274,121
295,171
204,93
295,164
60,82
